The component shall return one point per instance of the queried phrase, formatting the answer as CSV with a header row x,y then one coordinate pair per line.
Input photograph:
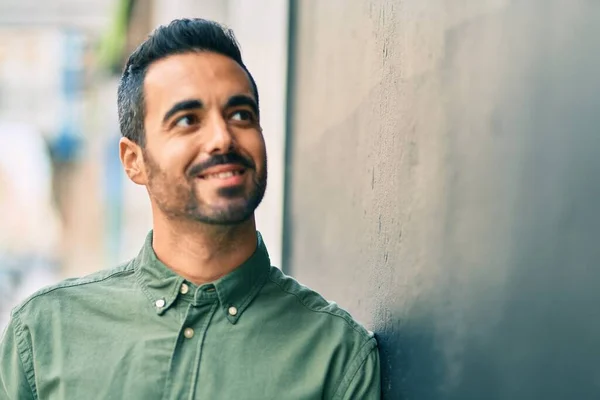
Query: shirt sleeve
x,y
363,379
14,384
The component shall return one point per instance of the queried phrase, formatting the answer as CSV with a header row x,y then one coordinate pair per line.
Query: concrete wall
x,y
444,179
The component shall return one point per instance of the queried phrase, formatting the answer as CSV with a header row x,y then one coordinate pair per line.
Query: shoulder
x,y
313,303
332,332
46,297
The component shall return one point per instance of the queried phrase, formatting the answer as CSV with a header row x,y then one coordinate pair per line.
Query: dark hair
x,y
180,36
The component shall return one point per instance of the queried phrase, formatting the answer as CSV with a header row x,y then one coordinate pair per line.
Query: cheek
x,y
254,146
174,156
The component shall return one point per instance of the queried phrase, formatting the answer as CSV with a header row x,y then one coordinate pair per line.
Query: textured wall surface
x,y
444,183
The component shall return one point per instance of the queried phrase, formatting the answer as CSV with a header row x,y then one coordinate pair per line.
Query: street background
x,y
67,208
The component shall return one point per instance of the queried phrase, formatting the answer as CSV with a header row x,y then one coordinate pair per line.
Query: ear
x,y
133,161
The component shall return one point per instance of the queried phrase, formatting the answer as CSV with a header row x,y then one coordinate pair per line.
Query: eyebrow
x,y
242,100
182,106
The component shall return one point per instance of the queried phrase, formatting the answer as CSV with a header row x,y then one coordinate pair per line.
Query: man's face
x,y
204,156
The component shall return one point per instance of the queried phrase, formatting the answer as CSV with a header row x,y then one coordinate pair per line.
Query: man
x,y
200,313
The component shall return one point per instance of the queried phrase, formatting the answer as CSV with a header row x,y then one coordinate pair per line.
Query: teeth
x,y
223,175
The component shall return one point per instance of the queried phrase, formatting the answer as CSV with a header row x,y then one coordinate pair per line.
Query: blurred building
x,y
46,89
30,229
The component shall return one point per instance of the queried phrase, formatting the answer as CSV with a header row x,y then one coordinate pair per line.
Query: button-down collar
x,y
235,290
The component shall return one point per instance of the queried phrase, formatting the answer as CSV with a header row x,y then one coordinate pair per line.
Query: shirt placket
x,y
186,359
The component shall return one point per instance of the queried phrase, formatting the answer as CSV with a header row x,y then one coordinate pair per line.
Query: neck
x,y
202,253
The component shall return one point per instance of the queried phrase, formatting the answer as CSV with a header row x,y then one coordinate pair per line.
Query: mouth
x,y
226,175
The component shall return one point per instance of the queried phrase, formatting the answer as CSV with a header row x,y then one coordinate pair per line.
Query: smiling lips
x,y
224,174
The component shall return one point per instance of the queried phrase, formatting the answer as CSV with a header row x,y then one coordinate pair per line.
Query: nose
x,y
219,137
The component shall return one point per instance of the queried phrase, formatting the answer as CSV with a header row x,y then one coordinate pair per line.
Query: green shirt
x,y
140,331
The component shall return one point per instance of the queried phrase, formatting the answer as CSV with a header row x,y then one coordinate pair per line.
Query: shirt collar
x,y
235,291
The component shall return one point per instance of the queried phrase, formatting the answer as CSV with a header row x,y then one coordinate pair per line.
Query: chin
x,y
229,212
225,219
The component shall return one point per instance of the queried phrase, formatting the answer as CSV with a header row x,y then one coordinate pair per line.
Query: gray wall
x,y
443,186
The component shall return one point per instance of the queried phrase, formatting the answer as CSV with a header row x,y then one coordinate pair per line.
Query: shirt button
x,y
160,303
188,333
184,288
232,311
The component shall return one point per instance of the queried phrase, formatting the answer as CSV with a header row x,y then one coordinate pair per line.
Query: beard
x,y
179,199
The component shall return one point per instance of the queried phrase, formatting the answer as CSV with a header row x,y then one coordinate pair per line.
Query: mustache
x,y
220,159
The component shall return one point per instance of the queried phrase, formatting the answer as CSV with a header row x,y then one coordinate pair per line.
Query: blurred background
x,y
66,207
434,167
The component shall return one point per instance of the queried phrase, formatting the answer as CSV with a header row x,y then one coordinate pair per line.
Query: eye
x,y
186,121
242,115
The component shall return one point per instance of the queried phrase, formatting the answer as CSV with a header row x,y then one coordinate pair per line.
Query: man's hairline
x,y
144,71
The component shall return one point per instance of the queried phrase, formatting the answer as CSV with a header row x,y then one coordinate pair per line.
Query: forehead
x,y
199,75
